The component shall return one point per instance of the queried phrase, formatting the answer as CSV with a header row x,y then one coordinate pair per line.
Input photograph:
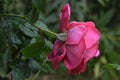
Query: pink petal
x,y
59,57
91,52
90,23
64,17
80,68
74,24
57,53
92,35
97,53
74,55
75,34
56,46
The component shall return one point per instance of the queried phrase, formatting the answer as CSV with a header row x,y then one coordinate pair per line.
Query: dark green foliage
x,y
34,49
17,74
105,19
2,40
112,66
39,4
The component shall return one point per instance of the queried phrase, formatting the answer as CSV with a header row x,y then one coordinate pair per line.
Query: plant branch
x,y
24,18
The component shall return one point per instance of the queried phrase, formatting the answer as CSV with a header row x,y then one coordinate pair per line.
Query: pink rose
x,y
80,46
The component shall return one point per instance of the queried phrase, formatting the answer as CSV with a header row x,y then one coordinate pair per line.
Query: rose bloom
x,y
81,44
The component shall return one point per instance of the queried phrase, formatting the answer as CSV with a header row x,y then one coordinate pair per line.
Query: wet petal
x,y
74,55
64,17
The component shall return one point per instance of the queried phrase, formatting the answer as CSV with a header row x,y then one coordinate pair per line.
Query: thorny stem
x,y
24,18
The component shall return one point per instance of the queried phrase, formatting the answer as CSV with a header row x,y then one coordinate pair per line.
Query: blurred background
x,y
24,49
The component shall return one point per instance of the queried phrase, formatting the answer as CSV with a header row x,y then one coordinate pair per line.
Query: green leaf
x,y
14,38
32,50
49,44
17,74
32,28
34,65
62,36
4,58
27,31
101,2
39,4
23,66
2,40
41,17
40,24
33,15
112,66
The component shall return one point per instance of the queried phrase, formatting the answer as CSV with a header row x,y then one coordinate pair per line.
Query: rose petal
x,y
57,53
56,46
75,34
91,52
74,55
74,24
64,17
80,68
92,35
90,23
59,57
97,53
